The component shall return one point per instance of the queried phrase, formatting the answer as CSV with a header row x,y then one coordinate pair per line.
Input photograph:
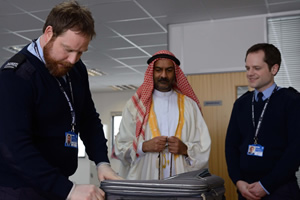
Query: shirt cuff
x,y
139,149
188,160
102,163
264,188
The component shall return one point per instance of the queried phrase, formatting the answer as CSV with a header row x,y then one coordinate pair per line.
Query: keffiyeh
x,y
142,99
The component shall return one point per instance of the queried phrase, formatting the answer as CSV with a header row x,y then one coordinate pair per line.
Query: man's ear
x,y
275,69
48,33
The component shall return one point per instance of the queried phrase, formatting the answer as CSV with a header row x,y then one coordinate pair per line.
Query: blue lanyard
x,y
261,115
73,123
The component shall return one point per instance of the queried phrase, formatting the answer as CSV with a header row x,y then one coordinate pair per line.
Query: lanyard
x,y
261,115
68,99
73,123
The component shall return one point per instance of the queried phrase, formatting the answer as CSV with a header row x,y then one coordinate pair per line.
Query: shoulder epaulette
x,y
246,93
14,62
293,89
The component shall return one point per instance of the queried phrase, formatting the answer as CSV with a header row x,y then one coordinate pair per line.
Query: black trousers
x,y
289,191
7,193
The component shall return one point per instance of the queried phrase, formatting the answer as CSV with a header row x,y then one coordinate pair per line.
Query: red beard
x,y
56,68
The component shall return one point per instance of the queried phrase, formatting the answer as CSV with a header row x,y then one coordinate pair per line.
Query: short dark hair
x,y
272,54
70,15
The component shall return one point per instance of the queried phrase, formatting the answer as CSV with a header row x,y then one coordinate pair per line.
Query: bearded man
x,y
45,102
162,132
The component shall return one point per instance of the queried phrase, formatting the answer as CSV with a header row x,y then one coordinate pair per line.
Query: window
x,y
81,148
240,90
116,121
284,33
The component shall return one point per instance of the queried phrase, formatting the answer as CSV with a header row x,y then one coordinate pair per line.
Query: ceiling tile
x,y
136,27
283,7
128,31
233,12
150,39
230,4
121,10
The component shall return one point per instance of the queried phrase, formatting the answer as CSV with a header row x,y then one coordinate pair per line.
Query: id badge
x,y
71,139
255,150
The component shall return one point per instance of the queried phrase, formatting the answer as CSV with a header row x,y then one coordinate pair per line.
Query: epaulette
x,y
14,62
246,93
293,89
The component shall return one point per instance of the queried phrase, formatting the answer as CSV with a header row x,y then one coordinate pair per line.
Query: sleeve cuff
x,y
264,188
102,163
139,149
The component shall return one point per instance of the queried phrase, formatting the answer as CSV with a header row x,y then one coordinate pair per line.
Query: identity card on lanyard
x,y
71,138
257,149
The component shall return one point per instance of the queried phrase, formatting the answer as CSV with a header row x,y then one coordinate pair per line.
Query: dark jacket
x,y
279,134
34,116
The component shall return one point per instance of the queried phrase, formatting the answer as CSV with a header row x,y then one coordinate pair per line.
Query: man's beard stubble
x,y
56,68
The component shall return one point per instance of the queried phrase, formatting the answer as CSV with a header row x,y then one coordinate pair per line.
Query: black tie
x,y
258,107
259,98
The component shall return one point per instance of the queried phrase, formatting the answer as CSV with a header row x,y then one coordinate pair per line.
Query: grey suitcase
x,y
194,185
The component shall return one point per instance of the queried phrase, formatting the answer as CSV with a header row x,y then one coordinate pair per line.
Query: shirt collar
x,y
31,49
266,93
162,94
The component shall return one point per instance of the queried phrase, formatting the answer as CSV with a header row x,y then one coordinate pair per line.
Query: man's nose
x,y
164,73
73,58
250,71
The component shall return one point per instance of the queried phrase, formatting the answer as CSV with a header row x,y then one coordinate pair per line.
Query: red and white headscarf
x,y
142,99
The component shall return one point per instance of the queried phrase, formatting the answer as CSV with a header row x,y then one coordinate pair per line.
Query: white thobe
x,y
167,115
194,134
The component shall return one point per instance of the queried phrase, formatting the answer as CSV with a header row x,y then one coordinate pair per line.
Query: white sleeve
x,y
196,136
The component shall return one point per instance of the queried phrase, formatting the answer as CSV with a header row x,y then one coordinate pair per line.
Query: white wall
x,y
82,175
107,103
215,46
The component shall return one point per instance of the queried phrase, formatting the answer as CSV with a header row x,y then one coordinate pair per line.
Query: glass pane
x,y
116,121
81,148
240,90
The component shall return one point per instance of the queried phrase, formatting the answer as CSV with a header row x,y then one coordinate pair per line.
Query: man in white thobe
x,y
162,132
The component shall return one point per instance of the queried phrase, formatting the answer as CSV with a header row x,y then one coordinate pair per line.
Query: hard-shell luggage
x,y
194,185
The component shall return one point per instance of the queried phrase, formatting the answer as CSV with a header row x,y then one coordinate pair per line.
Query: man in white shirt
x,y
162,132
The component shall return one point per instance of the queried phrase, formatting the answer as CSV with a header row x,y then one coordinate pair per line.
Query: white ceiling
x,y
128,31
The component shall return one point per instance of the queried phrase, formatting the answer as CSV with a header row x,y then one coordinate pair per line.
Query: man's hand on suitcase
x,y
105,172
91,192
86,192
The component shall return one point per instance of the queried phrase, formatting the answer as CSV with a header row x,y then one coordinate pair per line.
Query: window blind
x,y
284,33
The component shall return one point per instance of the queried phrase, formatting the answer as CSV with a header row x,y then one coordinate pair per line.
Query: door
x,y
217,93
